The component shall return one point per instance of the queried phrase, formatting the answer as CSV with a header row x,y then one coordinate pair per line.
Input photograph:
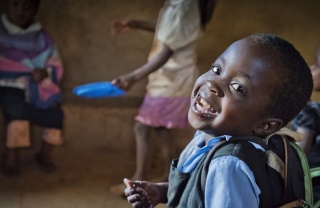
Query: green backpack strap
x,y
307,174
315,172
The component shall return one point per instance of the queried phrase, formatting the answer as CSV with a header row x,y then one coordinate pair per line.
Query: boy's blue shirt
x,y
226,176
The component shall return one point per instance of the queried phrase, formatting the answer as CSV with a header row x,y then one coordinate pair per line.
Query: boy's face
x,y
21,12
315,69
229,99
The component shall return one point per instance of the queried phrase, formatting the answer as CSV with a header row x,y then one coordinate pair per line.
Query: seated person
x,y
30,70
307,121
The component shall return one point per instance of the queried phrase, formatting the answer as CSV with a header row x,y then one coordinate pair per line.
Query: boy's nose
x,y
213,88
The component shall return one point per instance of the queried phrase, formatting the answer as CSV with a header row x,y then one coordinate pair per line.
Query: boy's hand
x,y
120,26
142,194
38,75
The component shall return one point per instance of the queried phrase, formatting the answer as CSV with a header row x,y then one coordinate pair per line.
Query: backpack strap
x,y
285,146
307,174
275,162
294,135
315,172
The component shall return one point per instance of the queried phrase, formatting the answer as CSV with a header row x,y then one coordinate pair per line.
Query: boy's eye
x,y
237,87
216,70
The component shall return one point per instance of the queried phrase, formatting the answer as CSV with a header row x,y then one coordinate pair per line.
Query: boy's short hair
x,y
296,89
37,2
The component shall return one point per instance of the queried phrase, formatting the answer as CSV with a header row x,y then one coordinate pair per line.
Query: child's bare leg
x,y
167,150
51,137
143,153
143,150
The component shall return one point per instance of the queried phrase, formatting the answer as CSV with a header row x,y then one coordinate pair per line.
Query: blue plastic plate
x,y
98,90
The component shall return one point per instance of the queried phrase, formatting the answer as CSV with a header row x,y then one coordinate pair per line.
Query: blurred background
x,y
90,53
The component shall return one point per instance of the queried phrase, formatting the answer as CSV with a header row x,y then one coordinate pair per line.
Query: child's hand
x,y
142,194
38,75
124,82
120,26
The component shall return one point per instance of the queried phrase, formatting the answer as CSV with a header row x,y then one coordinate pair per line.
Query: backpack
x,y
274,161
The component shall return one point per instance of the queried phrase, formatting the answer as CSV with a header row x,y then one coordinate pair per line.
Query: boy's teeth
x,y
201,109
205,103
204,107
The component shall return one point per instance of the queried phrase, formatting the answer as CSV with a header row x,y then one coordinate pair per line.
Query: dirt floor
x,y
98,153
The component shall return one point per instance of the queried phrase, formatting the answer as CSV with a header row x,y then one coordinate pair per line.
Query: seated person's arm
x,y
308,138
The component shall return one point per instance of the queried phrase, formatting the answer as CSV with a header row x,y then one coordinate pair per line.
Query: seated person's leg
x,y
15,111
51,120
17,115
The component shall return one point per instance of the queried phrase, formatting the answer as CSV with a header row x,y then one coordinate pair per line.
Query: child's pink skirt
x,y
168,112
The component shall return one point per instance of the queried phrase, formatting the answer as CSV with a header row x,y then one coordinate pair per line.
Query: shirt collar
x,y
214,140
16,30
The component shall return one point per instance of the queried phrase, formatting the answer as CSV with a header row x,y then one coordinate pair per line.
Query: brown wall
x,y
90,53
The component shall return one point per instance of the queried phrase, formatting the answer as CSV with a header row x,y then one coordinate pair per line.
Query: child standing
x,y
30,70
171,69
243,99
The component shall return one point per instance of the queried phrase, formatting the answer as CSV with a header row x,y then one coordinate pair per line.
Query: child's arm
x,y
122,26
143,25
126,81
145,194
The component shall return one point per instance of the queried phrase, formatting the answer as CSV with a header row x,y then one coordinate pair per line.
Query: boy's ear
x,y
268,126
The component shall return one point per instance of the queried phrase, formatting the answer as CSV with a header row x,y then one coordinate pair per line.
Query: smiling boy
x,y
251,91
